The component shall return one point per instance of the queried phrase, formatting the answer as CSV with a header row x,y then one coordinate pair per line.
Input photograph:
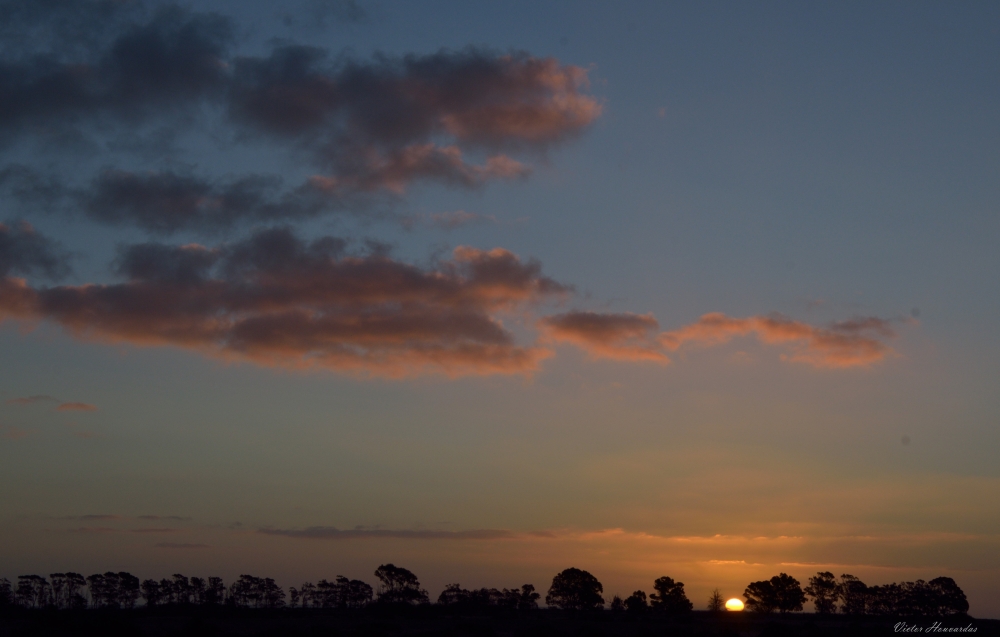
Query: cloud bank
x,y
275,299
365,127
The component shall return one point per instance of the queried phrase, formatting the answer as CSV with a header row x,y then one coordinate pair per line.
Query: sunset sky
x,y
489,290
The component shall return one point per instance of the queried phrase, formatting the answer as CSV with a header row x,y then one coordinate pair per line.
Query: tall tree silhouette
x,y
670,597
823,591
128,591
575,589
6,593
715,602
788,592
33,591
215,592
150,591
399,586
853,594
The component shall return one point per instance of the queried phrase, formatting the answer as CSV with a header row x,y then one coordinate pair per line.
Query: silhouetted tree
x,y
527,598
197,588
782,593
452,594
271,595
789,593
670,597
357,594
853,594
761,597
215,592
66,589
617,604
524,598
247,592
167,591
399,586
181,589
950,599
6,593
574,589
150,590
307,595
104,590
636,602
33,591
823,591
715,602
128,590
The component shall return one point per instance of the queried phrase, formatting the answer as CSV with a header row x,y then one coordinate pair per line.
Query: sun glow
x,y
734,604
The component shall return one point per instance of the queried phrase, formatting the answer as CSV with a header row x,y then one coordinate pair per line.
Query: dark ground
x,y
427,621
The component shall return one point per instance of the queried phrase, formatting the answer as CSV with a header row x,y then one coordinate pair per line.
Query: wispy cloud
x,y
852,343
447,220
31,400
181,545
76,407
856,342
12,433
331,533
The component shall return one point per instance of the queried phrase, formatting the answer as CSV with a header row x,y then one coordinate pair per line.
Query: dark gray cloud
x,y
476,96
25,251
172,61
119,77
331,533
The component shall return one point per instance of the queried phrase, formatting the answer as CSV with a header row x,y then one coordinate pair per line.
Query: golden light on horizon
x,y
734,604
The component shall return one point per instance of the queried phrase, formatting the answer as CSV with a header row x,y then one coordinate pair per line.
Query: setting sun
x,y
734,604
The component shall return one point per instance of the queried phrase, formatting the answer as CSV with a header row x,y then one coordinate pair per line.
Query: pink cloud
x,y
853,343
278,301
631,337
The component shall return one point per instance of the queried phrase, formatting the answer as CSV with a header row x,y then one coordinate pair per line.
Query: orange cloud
x,y
276,300
624,336
846,344
630,337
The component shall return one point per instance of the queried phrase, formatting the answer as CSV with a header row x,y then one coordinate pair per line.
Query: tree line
x,y
572,589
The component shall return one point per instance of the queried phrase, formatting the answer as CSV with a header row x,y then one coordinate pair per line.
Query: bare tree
x,y
715,602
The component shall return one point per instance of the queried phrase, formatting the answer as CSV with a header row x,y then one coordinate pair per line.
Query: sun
x,y
734,604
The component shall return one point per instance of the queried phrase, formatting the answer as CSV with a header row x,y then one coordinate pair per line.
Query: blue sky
x,y
818,163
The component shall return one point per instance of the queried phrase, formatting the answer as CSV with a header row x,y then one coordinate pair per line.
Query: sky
x,y
490,290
